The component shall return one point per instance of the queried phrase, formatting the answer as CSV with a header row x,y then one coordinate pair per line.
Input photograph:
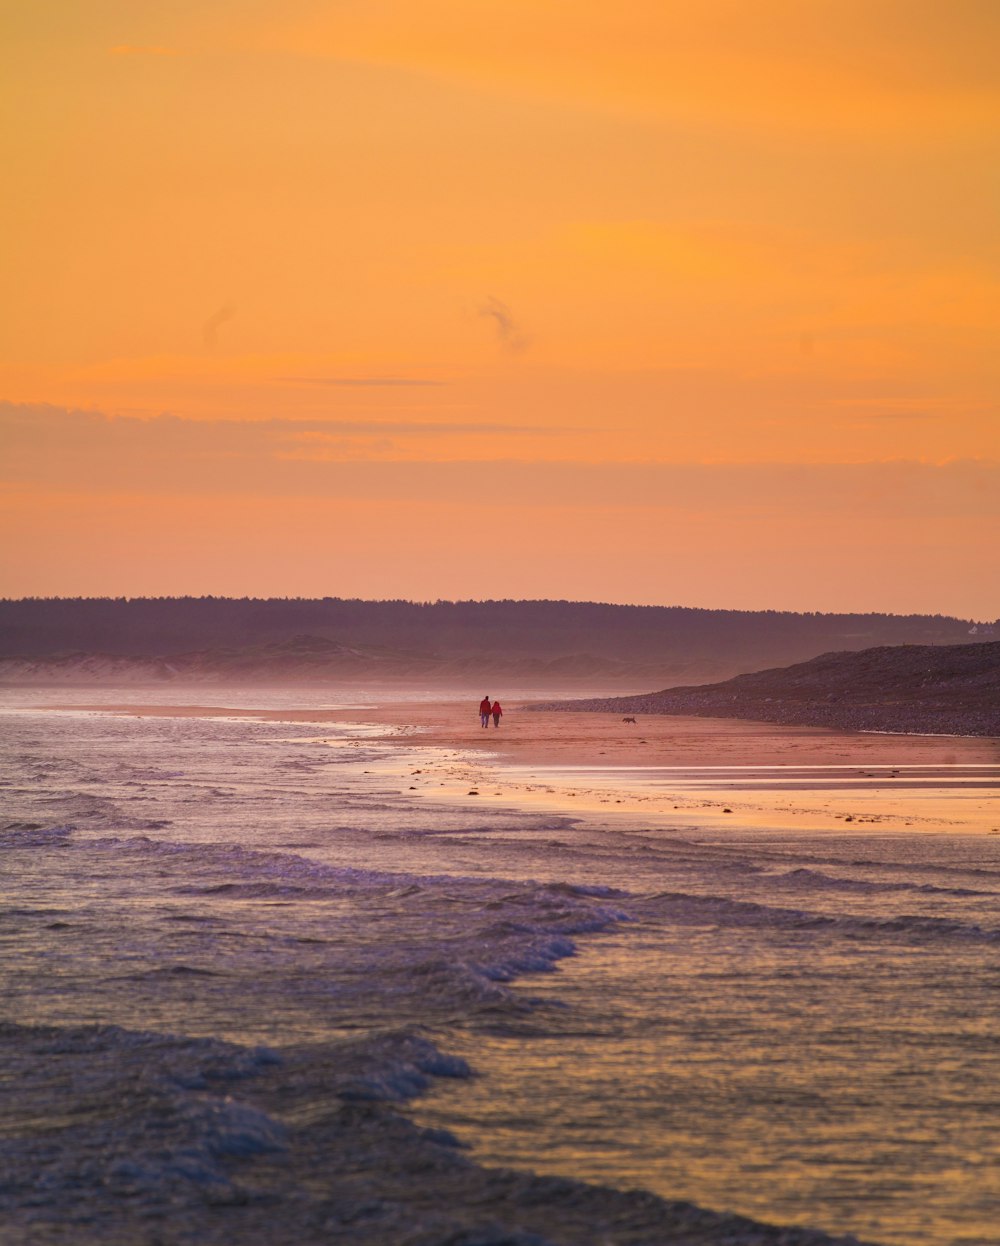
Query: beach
x,y
300,971
566,738
664,765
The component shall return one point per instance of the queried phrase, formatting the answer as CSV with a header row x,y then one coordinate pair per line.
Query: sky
x,y
662,302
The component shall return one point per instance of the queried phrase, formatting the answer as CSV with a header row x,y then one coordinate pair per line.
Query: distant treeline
x,y
162,626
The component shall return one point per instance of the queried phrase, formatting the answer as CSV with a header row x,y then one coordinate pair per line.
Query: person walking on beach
x,y
496,711
484,712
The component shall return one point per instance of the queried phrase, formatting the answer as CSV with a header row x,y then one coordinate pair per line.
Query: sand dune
x,y
946,690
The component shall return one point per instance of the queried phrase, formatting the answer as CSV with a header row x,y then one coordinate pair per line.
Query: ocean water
x,y
276,982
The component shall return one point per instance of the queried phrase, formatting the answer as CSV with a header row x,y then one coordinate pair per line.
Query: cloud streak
x,y
45,442
362,381
149,49
210,332
509,333
52,449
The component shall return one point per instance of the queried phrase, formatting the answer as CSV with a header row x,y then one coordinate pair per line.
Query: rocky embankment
x,y
916,689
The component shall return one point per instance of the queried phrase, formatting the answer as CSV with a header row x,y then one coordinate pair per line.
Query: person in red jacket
x,y
496,711
484,712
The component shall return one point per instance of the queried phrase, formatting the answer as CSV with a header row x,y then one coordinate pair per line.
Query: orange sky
x,y
687,303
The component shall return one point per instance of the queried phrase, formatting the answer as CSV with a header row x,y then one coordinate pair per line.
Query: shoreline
x,y
548,738
713,775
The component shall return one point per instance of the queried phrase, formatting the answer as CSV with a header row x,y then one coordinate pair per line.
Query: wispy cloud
x,y
510,334
48,448
360,380
877,417
147,49
48,445
210,333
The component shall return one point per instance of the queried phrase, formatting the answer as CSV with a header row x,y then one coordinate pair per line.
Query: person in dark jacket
x,y
484,712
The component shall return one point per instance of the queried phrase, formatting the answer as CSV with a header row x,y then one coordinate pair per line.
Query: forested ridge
x,y
547,631
165,625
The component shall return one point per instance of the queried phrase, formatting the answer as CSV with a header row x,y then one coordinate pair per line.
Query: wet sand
x,y
715,774
534,738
